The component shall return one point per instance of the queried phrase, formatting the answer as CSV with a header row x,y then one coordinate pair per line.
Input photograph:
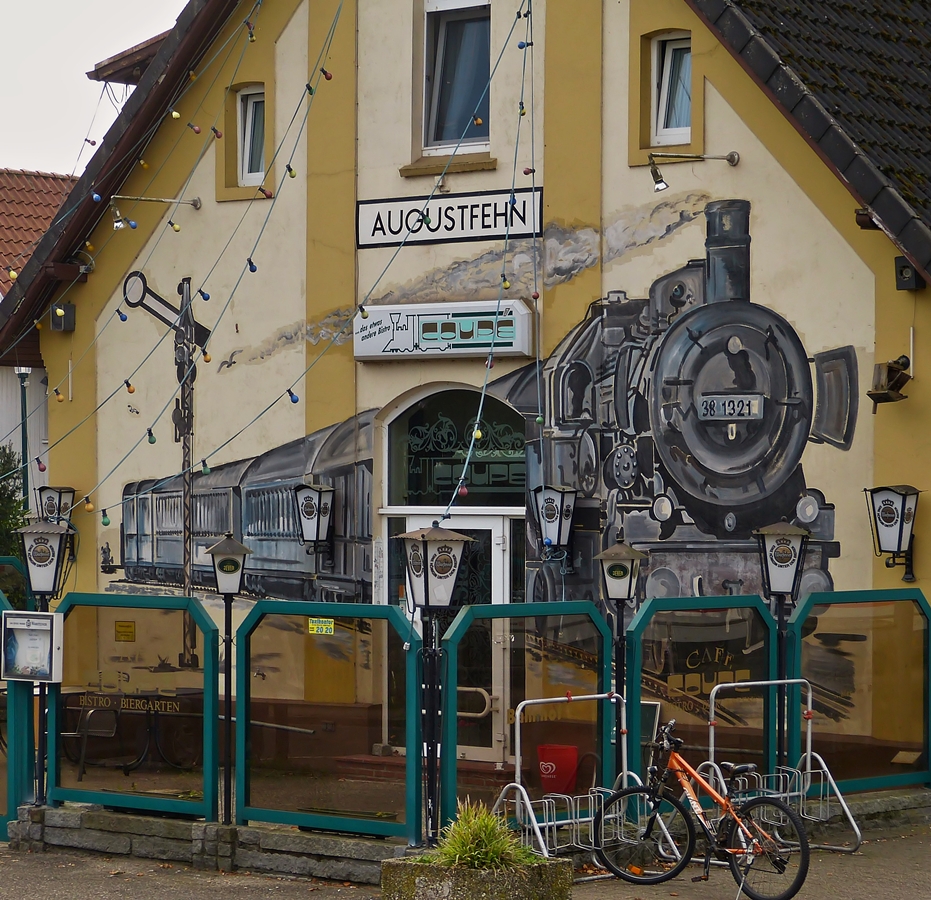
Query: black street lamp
x,y
23,372
229,557
620,566
432,556
782,555
45,548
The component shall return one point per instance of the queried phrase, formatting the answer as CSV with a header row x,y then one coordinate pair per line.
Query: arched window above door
x,y
427,447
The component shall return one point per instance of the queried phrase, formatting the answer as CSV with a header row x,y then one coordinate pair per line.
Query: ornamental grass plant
x,y
480,839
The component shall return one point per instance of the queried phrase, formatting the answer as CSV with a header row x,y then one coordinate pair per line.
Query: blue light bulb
x,y
122,315
294,397
133,223
204,294
547,542
96,197
521,45
252,266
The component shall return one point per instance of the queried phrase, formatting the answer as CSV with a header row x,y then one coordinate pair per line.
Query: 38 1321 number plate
x,y
729,407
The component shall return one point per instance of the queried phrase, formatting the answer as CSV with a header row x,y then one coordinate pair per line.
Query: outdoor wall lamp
x,y
888,380
659,184
315,512
892,517
554,508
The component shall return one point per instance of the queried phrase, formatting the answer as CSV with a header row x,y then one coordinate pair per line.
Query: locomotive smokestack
x,y
728,248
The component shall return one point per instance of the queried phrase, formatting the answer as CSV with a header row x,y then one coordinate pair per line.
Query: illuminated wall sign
x,y
444,329
477,216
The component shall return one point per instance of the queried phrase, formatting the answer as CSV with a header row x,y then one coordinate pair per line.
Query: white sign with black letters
x,y
450,218
444,329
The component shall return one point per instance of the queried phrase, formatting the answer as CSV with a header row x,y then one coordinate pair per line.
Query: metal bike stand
x,y
560,821
793,786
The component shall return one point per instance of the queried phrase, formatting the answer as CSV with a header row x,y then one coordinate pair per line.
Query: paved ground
x,y
893,865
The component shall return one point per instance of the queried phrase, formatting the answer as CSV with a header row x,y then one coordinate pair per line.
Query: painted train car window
x,y
428,446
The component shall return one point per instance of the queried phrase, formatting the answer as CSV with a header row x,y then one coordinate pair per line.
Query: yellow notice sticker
x,y
125,631
320,626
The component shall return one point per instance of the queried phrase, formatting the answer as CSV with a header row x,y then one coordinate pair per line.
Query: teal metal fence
x,y
318,688
677,649
866,654
155,726
574,639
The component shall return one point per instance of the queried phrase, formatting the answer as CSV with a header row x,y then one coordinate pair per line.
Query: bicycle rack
x,y
809,788
559,821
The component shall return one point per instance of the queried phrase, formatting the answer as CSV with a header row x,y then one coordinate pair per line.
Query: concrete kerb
x,y
287,851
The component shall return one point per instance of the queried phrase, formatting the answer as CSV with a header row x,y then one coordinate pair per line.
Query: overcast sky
x,y
48,102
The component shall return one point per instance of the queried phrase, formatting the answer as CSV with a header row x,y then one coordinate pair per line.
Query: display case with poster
x,y
32,646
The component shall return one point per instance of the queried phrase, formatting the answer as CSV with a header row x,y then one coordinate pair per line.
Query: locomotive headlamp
x,y
892,517
659,183
314,512
55,503
554,507
432,556
782,552
620,565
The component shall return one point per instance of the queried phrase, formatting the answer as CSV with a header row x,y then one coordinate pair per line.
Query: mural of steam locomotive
x,y
253,498
681,418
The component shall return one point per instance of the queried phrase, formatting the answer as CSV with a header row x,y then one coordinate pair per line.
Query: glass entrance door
x,y
492,571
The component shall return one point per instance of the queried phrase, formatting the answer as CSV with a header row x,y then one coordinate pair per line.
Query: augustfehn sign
x,y
449,218
443,329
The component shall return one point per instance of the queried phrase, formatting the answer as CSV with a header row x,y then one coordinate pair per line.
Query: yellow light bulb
x,y
59,311
507,284
88,506
88,246
143,163
175,227
478,434
13,274
207,357
38,324
175,114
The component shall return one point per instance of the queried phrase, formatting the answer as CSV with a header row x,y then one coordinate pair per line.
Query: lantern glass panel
x,y
782,558
44,554
55,503
894,516
620,576
315,509
228,569
554,508
432,578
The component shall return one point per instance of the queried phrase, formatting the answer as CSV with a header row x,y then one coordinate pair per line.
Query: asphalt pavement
x,y
891,865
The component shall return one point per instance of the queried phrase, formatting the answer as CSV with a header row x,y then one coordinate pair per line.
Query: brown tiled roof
x,y
28,203
854,77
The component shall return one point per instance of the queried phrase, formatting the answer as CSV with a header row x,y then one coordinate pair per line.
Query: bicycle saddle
x,y
734,771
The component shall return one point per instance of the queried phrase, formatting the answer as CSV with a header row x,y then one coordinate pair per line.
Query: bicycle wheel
x,y
767,849
642,838
180,740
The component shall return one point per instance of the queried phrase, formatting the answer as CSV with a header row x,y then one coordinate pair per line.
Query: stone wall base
x,y
273,849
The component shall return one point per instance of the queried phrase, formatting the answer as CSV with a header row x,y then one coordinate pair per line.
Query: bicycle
x,y
646,834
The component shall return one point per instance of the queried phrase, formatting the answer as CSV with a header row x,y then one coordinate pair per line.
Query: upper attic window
x,y
252,135
672,89
458,63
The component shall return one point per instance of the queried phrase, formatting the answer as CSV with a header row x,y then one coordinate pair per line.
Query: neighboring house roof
x,y
854,77
129,66
163,81
28,203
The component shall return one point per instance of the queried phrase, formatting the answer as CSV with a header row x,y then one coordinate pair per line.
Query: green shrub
x,y
479,839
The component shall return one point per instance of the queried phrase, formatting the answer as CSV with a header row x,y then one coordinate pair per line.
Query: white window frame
x,y
663,47
447,10
245,104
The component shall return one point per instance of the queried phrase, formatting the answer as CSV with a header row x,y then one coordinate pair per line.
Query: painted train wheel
x,y
730,403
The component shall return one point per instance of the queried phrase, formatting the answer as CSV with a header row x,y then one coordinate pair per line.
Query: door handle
x,y
502,542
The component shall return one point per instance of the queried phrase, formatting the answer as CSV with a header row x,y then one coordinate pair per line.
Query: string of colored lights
x,y
118,312
250,266
360,306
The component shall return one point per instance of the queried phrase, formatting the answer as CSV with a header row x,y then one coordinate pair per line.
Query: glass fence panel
x,y
503,662
131,708
4,753
326,717
869,714
686,653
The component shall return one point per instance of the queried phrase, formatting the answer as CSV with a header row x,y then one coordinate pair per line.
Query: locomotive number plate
x,y
712,407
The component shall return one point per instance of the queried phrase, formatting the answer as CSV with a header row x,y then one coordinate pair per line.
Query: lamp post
x,y
45,546
782,554
432,557
620,566
24,372
229,557
892,518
